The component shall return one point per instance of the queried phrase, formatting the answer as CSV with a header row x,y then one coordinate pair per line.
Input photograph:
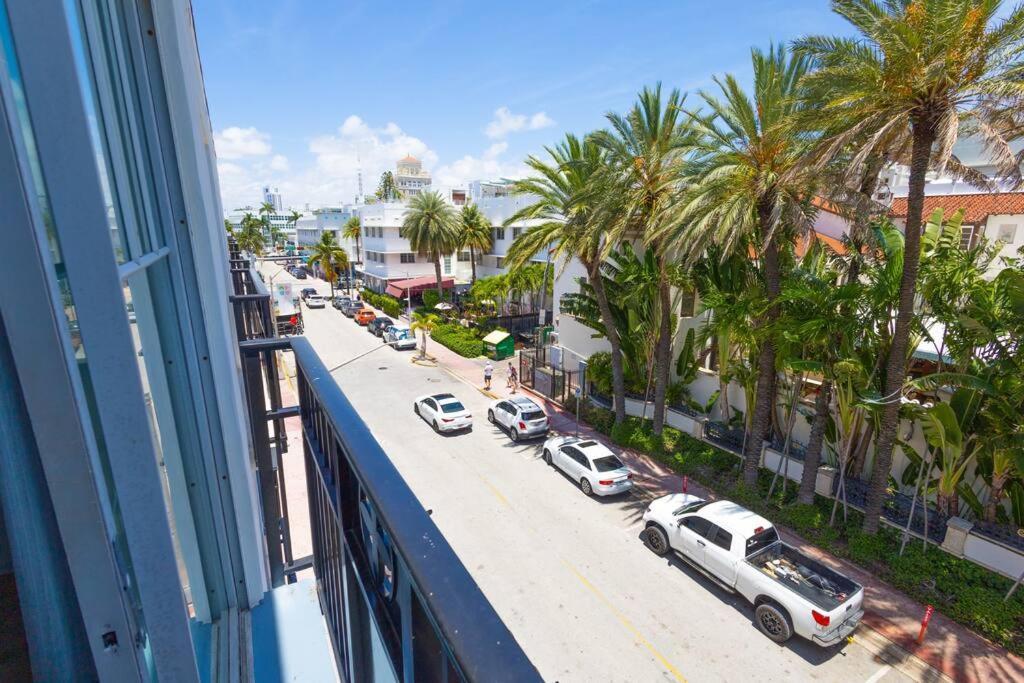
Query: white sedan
x,y
443,412
591,464
315,301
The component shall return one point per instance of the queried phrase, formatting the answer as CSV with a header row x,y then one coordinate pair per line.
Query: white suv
x,y
519,416
315,301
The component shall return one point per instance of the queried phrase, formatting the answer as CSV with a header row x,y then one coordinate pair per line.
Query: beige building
x,y
410,178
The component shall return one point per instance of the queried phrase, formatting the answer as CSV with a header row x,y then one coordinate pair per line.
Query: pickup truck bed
x,y
812,580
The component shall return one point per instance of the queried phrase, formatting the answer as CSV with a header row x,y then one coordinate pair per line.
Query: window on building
x,y
499,262
463,257
408,258
516,232
687,303
1007,234
499,234
447,264
967,236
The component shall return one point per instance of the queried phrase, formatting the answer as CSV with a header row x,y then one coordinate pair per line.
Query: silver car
x,y
519,416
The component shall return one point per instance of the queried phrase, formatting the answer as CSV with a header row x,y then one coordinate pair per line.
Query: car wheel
x,y
586,487
436,428
656,539
490,416
416,408
514,434
547,457
773,622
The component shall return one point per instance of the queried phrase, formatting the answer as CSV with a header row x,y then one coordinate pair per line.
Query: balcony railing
x,y
398,603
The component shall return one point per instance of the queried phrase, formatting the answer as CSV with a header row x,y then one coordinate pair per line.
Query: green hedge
x,y
459,339
958,588
391,306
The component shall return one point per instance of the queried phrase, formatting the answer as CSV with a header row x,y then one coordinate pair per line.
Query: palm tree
x,y
266,209
564,208
425,323
916,72
330,256
230,228
431,226
293,218
353,230
639,195
475,233
251,238
750,186
386,189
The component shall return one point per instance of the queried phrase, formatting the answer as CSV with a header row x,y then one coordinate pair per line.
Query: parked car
x,y
351,308
741,551
519,416
339,302
307,291
443,412
315,301
299,274
400,337
365,316
379,324
590,464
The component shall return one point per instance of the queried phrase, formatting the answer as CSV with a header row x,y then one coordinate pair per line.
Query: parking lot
x,y
568,574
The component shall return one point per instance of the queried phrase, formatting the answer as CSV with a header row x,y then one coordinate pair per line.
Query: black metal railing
x,y
381,564
1008,534
724,436
540,376
896,509
797,451
254,317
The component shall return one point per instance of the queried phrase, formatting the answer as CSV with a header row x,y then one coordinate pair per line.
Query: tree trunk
x,y
472,264
761,421
612,334
437,274
896,367
662,354
995,498
815,442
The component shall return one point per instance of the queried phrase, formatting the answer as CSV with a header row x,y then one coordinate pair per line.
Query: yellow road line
x,y
497,494
628,624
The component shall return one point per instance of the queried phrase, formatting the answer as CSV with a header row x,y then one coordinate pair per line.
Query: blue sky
x,y
299,89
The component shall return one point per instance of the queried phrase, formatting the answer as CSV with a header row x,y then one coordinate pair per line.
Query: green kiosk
x,y
499,344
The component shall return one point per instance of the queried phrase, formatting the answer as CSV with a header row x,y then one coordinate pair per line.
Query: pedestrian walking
x,y
513,378
488,371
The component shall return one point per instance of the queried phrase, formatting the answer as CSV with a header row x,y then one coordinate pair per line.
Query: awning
x,y
399,288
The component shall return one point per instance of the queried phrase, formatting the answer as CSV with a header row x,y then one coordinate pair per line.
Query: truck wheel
x,y
773,622
657,541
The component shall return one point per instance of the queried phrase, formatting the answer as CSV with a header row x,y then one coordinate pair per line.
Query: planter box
x,y
825,480
694,426
635,408
770,459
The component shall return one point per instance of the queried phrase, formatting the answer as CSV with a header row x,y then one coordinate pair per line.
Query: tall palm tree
x,y
431,226
914,75
564,208
293,218
639,195
353,230
751,188
331,258
266,209
475,233
251,237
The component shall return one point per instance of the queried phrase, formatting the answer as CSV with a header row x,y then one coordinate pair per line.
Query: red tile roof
x,y
977,207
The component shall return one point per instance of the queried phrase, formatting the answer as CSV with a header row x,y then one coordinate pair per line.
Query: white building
x,y
315,223
410,178
273,197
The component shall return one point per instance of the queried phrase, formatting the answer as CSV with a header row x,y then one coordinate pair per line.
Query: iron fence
x,y
1009,535
542,377
722,435
896,509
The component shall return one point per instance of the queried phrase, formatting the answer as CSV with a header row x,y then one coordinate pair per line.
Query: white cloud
x,y
495,150
505,122
279,162
236,143
486,167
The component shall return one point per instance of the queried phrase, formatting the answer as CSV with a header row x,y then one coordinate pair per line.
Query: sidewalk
x,y
949,648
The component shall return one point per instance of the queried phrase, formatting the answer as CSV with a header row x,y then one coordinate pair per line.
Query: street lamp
x,y
408,297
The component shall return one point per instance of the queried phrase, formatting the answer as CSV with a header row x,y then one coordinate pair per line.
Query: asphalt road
x,y
568,574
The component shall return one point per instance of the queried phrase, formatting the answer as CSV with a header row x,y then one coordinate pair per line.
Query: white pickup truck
x,y
741,551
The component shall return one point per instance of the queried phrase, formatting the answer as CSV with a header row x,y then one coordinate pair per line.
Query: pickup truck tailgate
x,y
842,621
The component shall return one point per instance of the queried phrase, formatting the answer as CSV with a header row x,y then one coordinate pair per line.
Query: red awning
x,y
399,288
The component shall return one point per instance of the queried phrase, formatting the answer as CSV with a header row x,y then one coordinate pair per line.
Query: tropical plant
x,y
474,233
431,226
353,230
251,238
751,186
387,191
230,228
638,192
331,258
425,324
563,208
917,72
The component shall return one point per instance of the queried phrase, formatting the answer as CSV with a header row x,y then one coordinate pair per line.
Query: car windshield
x,y
607,463
452,407
533,415
401,333
761,540
691,507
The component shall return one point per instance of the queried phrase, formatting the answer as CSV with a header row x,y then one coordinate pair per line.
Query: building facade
x,y
410,178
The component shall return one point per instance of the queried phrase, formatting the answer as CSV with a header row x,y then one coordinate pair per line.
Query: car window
x,y
453,407
761,540
572,453
504,405
607,463
430,403
533,415
691,507
697,525
721,538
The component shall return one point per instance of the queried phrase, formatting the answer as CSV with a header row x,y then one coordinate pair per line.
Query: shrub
x,y
459,339
431,299
391,306
599,372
